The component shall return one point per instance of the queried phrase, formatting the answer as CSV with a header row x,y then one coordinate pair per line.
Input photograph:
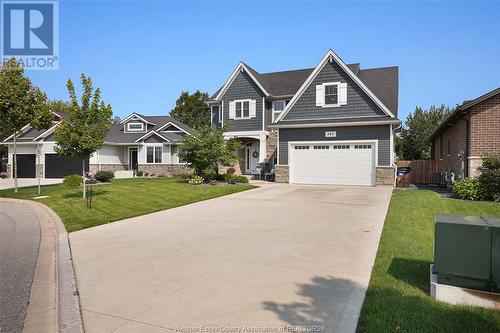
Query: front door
x,y
251,158
132,159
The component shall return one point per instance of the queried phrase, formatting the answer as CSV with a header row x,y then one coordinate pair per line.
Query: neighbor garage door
x,y
333,163
57,166
26,165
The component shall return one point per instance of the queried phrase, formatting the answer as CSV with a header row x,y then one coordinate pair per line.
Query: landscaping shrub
x,y
3,174
186,175
104,176
489,178
139,173
232,178
230,170
196,180
469,189
72,180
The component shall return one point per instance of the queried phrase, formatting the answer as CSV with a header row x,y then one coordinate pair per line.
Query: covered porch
x,y
253,153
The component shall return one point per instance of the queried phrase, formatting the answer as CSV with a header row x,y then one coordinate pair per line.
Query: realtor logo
x,y
30,32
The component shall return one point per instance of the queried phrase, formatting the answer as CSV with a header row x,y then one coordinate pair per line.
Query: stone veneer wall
x,y
385,175
168,170
107,167
271,144
282,174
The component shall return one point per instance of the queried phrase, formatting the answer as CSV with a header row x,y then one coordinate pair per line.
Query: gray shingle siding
x,y
154,139
358,102
378,132
243,87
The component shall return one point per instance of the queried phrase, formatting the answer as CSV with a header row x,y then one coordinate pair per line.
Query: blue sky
x,y
143,54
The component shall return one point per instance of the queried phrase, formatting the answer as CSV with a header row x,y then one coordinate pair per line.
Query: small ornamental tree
x,y
84,132
207,149
20,104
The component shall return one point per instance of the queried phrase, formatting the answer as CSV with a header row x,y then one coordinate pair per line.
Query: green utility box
x,y
467,251
494,222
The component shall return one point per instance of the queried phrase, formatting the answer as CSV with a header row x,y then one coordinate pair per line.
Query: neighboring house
x,y
332,124
471,129
147,143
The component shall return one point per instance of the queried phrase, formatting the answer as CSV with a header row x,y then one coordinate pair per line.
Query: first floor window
x,y
154,154
331,94
278,106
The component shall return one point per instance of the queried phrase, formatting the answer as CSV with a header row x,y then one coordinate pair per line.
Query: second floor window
x,y
242,109
278,106
331,94
154,154
135,126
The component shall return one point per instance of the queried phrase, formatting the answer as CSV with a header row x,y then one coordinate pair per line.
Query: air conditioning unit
x,y
467,251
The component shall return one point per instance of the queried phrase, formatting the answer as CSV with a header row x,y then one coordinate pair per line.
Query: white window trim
x,y
241,101
135,129
219,113
338,94
277,113
154,152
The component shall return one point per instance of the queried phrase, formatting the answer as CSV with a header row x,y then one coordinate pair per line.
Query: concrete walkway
x,y
262,259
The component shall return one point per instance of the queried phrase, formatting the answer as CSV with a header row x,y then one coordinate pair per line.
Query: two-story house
x,y
331,124
146,143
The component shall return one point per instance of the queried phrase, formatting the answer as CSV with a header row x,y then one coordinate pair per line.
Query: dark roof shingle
x,y
383,82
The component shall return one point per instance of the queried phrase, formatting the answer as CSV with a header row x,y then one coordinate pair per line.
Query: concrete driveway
x,y
25,182
256,261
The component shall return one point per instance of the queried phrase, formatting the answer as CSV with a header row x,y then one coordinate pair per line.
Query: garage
x,y
58,166
26,165
334,163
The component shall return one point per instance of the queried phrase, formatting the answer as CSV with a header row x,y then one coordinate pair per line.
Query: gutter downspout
x,y
393,153
466,157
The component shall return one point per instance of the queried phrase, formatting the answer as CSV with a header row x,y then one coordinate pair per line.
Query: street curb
x,y
69,313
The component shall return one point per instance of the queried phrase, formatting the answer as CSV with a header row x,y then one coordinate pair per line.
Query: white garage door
x,y
333,163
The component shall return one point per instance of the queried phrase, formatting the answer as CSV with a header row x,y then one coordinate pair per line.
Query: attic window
x,y
331,94
135,127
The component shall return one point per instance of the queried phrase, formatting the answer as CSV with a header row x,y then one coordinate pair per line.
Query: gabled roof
x,y
331,56
462,110
383,82
136,115
117,135
150,133
241,67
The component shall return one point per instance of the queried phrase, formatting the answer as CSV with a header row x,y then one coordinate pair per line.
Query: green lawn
x,y
121,199
398,297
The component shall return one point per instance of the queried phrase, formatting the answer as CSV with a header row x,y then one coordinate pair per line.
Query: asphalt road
x,y
19,243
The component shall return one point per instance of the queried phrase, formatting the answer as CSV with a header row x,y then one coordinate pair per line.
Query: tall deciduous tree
x,y
192,110
21,104
84,132
207,149
417,129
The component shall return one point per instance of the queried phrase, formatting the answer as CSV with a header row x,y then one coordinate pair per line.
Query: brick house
x,y
472,129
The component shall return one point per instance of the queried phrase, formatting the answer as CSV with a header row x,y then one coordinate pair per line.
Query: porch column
x,y
262,148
